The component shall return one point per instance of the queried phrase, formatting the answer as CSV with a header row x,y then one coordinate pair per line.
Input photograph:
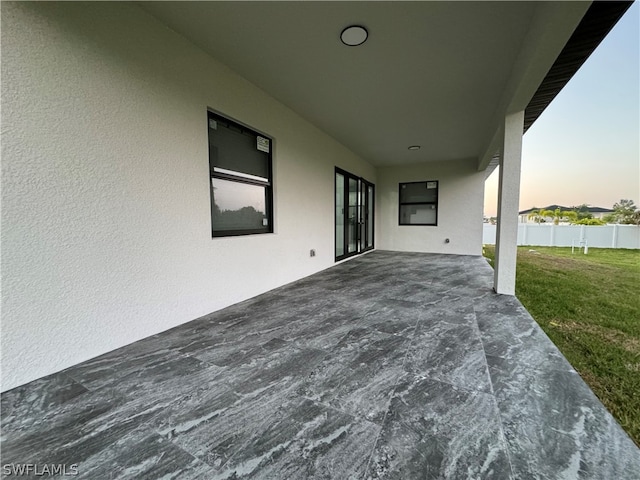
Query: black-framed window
x,y
418,203
240,179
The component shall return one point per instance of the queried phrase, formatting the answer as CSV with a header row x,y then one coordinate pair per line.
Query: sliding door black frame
x,y
363,212
368,213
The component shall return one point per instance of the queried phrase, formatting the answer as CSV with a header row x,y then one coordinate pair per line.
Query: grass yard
x,y
589,305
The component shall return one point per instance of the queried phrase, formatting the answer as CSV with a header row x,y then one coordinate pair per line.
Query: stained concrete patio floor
x,y
391,365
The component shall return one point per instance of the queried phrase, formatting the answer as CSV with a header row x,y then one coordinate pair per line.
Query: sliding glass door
x,y
367,194
354,209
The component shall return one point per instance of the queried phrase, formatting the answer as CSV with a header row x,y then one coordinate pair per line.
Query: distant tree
x,y
624,206
539,215
243,218
571,216
610,218
559,215
582,211
624,211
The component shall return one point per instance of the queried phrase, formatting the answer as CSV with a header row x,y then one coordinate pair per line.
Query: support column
x,y
504,280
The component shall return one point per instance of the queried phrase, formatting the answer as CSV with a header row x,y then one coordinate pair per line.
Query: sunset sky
x,y
585,147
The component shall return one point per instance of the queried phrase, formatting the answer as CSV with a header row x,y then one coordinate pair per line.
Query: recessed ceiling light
x,y
414,147
354,35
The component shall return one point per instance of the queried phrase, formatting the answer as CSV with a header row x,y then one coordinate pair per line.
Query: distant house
x,y
597,212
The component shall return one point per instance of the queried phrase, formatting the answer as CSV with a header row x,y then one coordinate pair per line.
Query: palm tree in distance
x,y
539,215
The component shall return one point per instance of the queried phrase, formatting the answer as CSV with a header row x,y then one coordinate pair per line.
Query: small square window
x,y
418,203
241,179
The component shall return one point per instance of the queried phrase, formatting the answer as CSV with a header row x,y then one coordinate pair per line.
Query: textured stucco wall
x,y
105,190
460,201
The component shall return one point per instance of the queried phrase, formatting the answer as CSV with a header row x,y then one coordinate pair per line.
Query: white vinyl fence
x,y
549,235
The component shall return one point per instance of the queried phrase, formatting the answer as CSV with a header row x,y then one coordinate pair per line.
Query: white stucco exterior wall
x,y
460,202
106,226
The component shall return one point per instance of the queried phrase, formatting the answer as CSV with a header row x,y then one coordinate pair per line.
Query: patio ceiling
x,y
436,74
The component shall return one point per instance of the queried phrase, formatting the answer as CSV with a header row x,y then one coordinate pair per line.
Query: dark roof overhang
x,y
597,22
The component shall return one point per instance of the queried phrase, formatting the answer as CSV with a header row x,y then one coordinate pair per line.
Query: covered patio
x,y
391,365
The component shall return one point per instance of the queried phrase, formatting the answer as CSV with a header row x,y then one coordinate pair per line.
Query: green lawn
x,y
589,305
